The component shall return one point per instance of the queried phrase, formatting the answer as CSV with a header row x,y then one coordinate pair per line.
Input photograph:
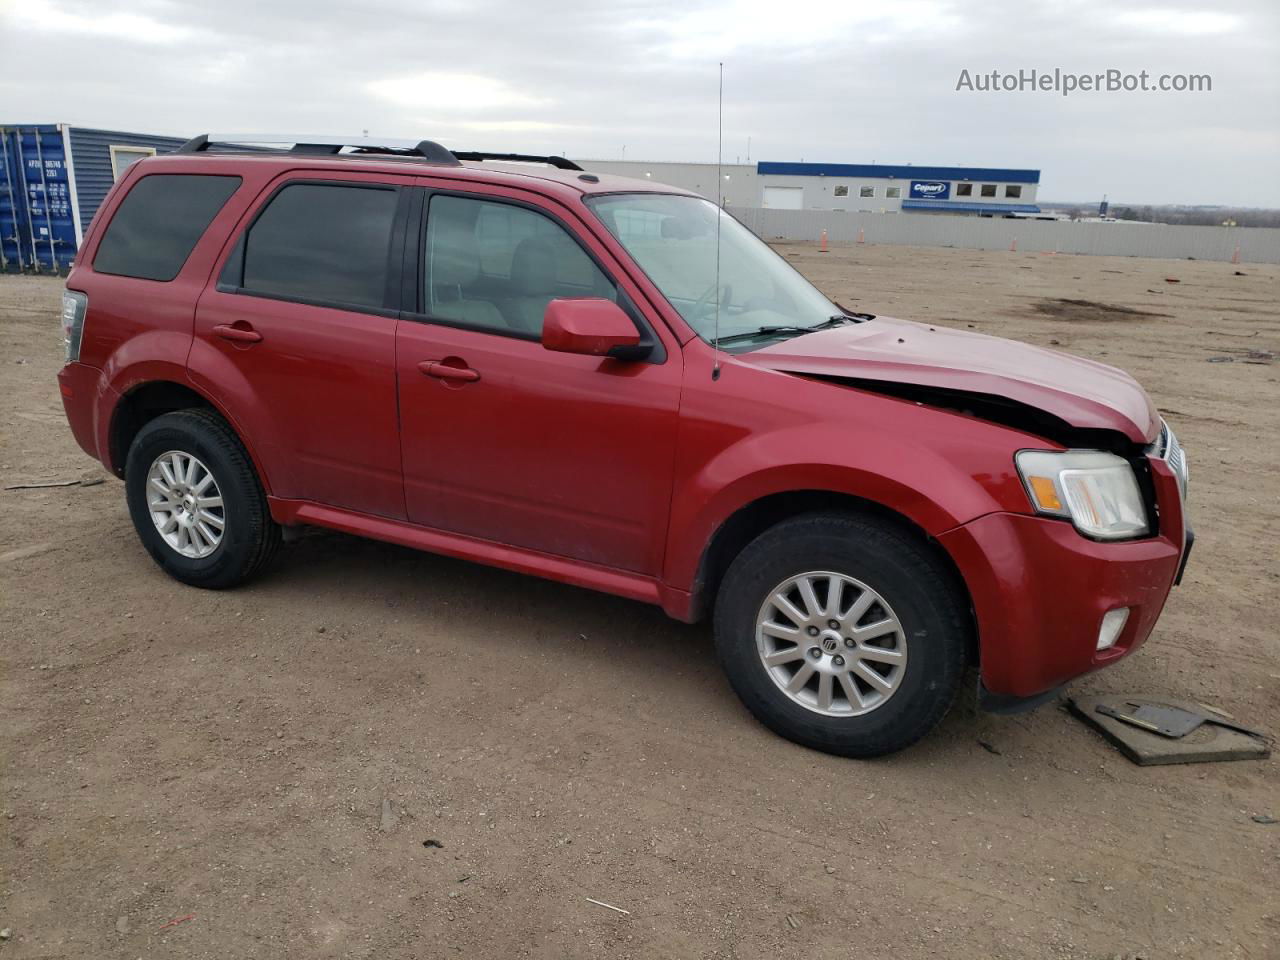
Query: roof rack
x,y
560,163
427,150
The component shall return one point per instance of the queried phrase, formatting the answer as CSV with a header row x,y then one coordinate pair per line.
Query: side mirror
x,y
591,326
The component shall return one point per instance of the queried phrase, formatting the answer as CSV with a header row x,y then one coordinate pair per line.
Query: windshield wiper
x,y
854,315
791,328
766,332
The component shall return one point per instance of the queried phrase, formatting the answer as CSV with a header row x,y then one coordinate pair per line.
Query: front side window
x,y
673,240
322,243
496,266
156,226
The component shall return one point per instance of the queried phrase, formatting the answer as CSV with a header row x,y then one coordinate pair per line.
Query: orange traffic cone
x,y
822,244
861,235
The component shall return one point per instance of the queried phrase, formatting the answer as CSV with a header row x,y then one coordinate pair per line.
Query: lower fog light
x,y
1113,622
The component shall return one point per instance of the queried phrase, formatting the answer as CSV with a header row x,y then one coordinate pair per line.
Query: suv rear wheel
x,y
842,633
196,501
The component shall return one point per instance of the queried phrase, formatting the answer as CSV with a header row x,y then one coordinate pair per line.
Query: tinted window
x,y
316,242
497,266
157,225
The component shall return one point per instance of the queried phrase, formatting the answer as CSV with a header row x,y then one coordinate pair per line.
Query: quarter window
x,y
323,243
496,266
1013,191
123,157
156,226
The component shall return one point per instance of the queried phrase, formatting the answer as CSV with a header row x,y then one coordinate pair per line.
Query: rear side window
x,y
156,226
321,243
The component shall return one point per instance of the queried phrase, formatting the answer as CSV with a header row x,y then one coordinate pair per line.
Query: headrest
x,y
533,268
455,259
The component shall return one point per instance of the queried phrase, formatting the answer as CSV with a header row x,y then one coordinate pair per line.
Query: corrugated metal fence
x,y
91,151
1256,244
53,178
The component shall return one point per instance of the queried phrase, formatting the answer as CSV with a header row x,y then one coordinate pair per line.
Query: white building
x,y
876,188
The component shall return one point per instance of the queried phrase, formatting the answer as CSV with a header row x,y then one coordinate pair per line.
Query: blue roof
x,y
897,171
957,206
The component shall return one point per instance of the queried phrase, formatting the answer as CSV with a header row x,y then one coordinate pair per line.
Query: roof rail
x,y
427,150
560,163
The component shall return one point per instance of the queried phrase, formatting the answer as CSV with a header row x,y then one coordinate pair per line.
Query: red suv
x,y
616,385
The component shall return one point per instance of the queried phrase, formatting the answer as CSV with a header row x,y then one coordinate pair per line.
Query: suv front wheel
x,y
196,502
843,633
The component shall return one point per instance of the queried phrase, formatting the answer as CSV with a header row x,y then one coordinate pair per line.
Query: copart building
x,y
859,187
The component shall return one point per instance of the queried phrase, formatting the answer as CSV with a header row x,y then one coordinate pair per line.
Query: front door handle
x,y
444,371
245,334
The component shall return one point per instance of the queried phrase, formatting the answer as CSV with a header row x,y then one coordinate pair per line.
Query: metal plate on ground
x,y
1206,744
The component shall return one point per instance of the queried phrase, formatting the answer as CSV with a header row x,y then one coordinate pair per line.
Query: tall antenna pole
x,y
715,339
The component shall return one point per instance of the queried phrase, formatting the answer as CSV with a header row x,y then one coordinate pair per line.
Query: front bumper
x,y
1039,591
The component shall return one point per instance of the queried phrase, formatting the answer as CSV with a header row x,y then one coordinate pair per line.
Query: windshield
x,y
673,239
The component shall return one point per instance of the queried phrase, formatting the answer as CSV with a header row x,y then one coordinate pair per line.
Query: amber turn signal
x,y
1045,492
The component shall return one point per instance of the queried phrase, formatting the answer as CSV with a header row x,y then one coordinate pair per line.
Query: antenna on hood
x,y
715,338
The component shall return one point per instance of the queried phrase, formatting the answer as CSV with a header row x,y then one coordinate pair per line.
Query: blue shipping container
x,y
53,178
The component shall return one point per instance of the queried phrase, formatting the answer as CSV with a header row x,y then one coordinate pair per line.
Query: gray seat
x,y
455,264
533,284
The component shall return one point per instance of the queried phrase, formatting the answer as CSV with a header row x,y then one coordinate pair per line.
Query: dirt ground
x,y
377,753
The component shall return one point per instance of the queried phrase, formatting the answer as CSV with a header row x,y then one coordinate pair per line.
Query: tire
x,y
248,539
907,583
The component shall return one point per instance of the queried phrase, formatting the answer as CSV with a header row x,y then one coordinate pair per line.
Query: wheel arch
x,y
146,400
754,518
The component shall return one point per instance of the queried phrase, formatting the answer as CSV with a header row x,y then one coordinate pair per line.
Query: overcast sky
x,y
841,82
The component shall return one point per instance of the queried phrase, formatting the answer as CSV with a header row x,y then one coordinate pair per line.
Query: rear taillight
x,y
74,306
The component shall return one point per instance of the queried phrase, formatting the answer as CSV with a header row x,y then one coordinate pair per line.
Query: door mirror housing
x,y
592,326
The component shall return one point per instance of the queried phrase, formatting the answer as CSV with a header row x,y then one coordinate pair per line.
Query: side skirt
x,y
549,566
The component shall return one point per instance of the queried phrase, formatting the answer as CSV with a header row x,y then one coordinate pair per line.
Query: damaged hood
x,y
1083,393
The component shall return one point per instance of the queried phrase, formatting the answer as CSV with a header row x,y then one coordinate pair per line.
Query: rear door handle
x,y
245,334
434,368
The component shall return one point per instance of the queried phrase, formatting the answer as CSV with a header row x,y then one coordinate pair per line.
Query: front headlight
x,y
1097,491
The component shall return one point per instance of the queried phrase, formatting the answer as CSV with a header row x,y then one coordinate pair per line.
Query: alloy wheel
x,y
831,643
185,504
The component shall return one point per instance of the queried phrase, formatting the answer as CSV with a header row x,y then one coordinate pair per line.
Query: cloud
x,y
453,92
1192,23
515,126
44,17
835,80
723,29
